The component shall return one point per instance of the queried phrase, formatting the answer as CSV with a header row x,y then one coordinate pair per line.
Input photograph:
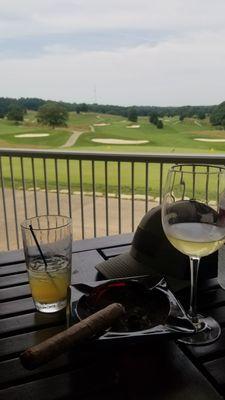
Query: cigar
x,y
92,326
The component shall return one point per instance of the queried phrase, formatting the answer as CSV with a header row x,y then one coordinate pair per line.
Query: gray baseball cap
x,y
150,254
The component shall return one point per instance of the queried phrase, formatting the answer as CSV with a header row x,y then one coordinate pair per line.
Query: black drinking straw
x,y
38,246
42,255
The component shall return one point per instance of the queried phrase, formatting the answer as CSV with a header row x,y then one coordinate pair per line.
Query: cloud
x,y
69,16
179,71
143,52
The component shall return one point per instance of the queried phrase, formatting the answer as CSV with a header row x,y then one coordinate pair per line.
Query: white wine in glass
x,y
194,222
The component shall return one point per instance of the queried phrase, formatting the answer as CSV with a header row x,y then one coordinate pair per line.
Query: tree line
x,y
15,109
35,103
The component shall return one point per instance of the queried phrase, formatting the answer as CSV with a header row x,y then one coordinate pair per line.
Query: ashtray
x,y
151,308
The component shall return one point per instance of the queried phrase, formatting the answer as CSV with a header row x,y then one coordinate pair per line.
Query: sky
x,y
125,52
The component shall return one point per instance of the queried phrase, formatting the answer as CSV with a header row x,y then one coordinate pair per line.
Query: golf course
x,y
104,133
188,136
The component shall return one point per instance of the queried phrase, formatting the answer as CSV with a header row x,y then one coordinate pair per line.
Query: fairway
x,y
190,135
106,133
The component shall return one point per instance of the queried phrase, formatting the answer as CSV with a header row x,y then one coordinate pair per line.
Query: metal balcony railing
x,y
104,193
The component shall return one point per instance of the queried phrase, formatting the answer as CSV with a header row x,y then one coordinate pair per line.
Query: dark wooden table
x,y
153,370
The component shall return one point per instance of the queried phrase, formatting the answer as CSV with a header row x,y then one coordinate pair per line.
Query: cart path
x,y
72,139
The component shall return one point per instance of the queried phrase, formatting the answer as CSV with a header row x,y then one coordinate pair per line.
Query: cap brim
x,y
125,265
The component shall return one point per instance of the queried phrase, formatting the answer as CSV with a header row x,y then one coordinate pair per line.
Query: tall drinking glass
x,y
194,222
47,242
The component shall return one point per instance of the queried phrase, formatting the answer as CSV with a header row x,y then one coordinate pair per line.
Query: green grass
x,y
8,130
176,137
139,175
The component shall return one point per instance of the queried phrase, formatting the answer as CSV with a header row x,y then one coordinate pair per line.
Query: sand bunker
x,y
119,141
133,126
28,135
101,124
210,140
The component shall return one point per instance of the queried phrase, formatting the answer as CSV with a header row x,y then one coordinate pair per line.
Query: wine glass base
x,y
207,331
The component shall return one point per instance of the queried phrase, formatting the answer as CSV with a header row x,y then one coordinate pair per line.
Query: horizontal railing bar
x,y
156,157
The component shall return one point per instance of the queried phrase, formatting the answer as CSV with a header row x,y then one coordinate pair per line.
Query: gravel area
x,y
100,207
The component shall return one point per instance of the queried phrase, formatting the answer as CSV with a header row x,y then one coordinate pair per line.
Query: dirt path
x,y
72,139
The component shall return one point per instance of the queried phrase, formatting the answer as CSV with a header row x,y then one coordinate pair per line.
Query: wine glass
x,y
193,220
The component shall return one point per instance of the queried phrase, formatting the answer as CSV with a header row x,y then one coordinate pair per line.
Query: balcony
x,y
104,193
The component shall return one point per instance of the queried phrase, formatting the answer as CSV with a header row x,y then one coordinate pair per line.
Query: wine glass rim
x,y
174,168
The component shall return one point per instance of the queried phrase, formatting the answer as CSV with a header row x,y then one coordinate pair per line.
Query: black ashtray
x,y
151,308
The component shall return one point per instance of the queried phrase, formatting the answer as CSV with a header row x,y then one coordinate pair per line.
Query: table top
x,y
154,369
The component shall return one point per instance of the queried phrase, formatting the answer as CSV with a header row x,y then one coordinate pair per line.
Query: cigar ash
x,y
144,309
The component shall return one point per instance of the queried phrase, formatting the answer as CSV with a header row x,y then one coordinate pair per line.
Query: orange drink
x,y
47,244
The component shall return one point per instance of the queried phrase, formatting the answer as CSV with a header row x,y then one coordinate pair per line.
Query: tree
x,y
132,114
52,114
31,103
5,104
15,113
153,118
78,109
159,124
82,107
218,115
201,115
181,117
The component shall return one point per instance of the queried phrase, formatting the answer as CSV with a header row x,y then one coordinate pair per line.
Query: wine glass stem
x,y
194,266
